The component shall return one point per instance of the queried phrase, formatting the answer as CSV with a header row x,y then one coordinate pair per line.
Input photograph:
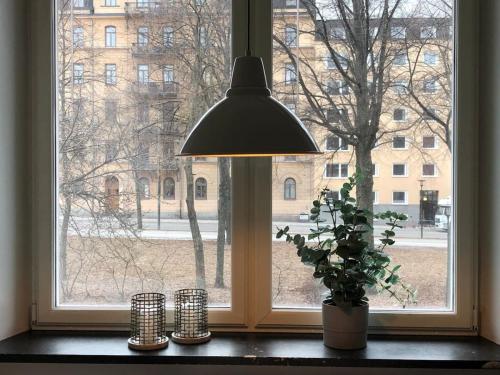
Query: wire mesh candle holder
x,y
191,316
147,322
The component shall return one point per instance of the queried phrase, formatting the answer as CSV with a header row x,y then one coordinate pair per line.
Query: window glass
x,y
290,189
126,204
392,139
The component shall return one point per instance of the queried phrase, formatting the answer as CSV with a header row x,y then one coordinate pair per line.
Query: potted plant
x,y
346,261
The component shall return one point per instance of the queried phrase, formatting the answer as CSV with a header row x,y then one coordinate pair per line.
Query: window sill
x,y
253,349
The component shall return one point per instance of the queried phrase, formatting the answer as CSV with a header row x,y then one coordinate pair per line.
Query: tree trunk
x,y
193,223
364,189
138,205
63,243
223,206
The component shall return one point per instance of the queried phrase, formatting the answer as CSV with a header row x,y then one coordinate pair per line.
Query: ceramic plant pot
x,y
345,327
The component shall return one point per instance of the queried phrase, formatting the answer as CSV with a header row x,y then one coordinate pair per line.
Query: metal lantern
x,y
191,316
147,322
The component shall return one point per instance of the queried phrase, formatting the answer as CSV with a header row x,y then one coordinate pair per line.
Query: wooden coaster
x,y
132,344
190,340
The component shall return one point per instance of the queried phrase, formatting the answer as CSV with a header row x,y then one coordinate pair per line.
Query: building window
x,y
337,33
429,170
428,32
374,170
200,188
430,85
337,87
79,3
429,141
290,74
399,114
203,36
110,33
142,36
291,36
110,110
168,188
399,142
77,74
337,170
290,158
400,59
143,73
143,113
168,37
168,74
110,3
78,36
430,58
375,197
290,189
291,107
333,195
335,116
335,143
399,170
400,87
429,114
291,3
342,60
144,191
398,32
399,197
110,74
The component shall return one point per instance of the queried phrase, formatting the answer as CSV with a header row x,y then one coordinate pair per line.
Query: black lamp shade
x,y
248,121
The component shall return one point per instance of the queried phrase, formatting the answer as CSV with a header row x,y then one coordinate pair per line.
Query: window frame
x,y
252,180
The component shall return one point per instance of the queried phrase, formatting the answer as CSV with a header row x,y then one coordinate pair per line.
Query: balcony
x,y
82,7
156,89
149,50
138,8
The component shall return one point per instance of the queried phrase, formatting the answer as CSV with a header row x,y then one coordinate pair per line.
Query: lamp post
x,y
421,213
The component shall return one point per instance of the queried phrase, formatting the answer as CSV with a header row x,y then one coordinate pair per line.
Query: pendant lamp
x,y
248,122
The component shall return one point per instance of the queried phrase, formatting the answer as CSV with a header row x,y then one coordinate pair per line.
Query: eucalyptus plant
x,y
342,253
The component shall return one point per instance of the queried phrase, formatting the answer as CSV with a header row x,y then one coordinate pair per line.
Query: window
x,y
290,74
399,114
168,74
400,87
335,116
110,74
338,33
430,58
430,85
398,32
337,170
439,306
333,195
429,141
143,113
110,110
290,189
201,188
290,3
110,3
429,170
168,36
290,158
143,73
399,170
142,36
342,60
203,36
79,3
291,107
78,41
429,114
77,73
400,59
110,32
144,192
375,170
334,143
399,197
168,188
399,142
337,87
428,32
291,36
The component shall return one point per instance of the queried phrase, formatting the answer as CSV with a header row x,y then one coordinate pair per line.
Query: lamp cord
x,y
248,51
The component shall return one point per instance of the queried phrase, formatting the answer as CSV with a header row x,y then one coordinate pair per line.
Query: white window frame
x,y
430,175
339,177
252,180
399,148
168,74
436,140
434,55
291,36
405,202
341,144
110,74
401,62
398,32
405,114
290,74
110,36
428,32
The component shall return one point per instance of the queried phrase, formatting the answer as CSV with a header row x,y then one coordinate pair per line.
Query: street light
x,y
421,210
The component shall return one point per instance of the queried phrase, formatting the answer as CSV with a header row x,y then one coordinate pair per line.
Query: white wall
x,y
489,167
15,267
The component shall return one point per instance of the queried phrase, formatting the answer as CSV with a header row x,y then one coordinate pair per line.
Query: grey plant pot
x,y
345,327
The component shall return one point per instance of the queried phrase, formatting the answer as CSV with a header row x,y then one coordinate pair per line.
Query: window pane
x,y
123,222
396,141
